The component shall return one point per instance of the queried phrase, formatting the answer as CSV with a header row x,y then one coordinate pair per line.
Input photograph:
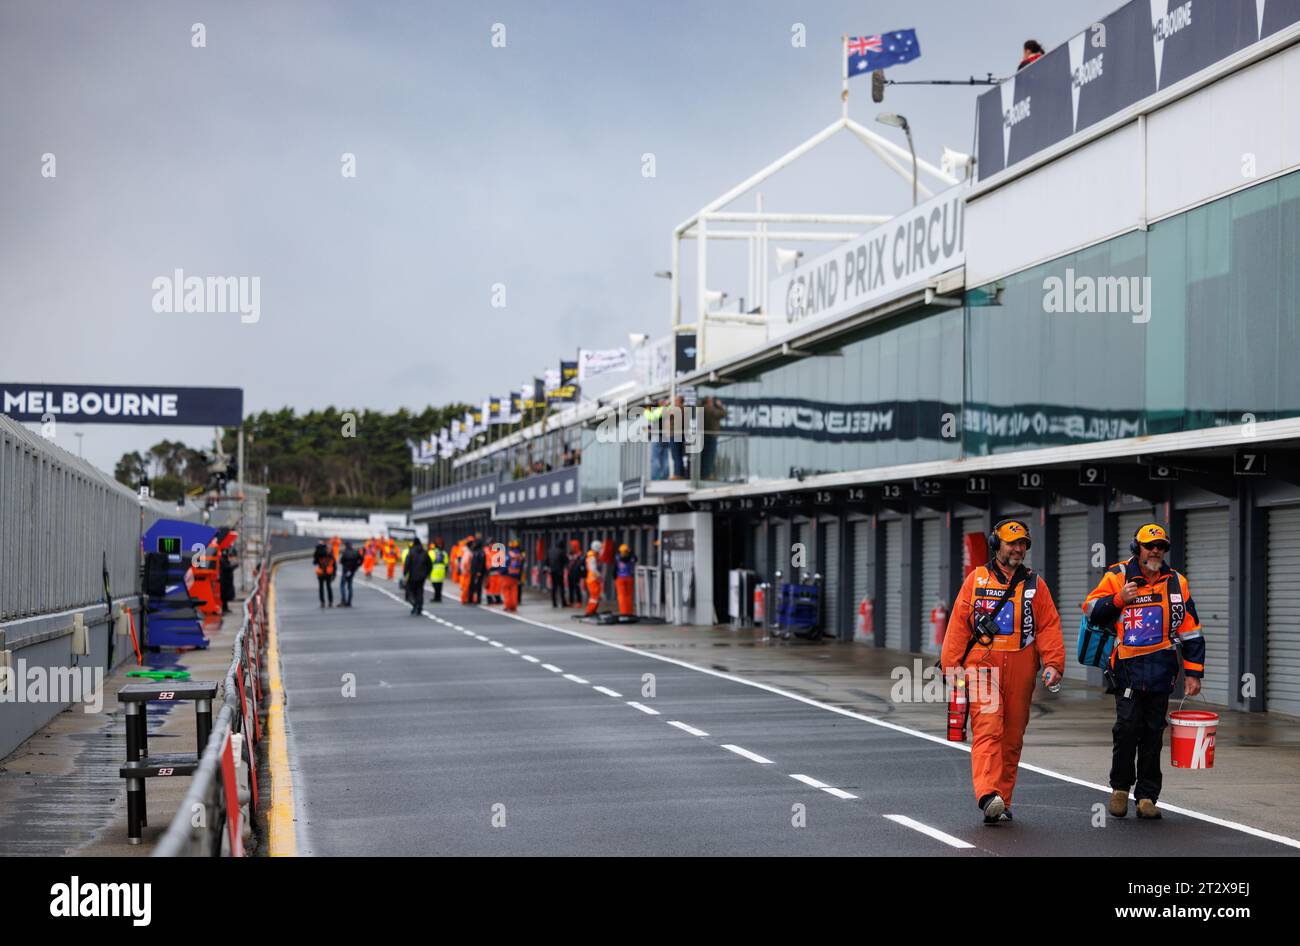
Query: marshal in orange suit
x,y
1001,658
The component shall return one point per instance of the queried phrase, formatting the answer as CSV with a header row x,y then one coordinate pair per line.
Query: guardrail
x,y
201,826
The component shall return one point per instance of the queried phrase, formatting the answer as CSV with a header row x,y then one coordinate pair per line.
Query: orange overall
x,y
466,558
510,580
368,562
593,583
1001,677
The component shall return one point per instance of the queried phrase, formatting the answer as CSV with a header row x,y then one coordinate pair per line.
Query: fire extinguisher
x,y
867,618
760,605
939,621
958,708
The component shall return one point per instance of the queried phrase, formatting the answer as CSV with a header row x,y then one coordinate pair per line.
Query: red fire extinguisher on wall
x,y
760,605
939,621
866,618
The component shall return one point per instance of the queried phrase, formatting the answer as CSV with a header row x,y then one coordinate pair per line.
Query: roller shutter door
x,y
861,560
1206,567
892,593
829,566
780,550
1282,645
931,532
1125,525
758,558
799,533
1072,586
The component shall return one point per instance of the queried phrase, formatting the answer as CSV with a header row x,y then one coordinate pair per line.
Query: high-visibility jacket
x,y
593,568
1029,620
437,565
1144,655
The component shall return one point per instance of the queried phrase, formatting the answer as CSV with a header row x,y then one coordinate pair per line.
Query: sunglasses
x,y
1151,546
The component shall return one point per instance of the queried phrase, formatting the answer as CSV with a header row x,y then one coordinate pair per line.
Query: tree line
x,y
328,457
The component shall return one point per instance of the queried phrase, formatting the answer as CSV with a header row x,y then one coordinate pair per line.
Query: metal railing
x,y
199,827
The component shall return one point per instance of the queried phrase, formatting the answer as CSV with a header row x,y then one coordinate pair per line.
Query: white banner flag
x,y
593,363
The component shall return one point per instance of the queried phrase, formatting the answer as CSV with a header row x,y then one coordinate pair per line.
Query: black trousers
x,y
476,589
437,590
558,597
1139,731
325,586
415,595
575,588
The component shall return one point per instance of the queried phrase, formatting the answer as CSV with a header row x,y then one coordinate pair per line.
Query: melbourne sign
x,y
106,404
1138,50
895,256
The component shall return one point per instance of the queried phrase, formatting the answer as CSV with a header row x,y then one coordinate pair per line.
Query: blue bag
x,y
1095,644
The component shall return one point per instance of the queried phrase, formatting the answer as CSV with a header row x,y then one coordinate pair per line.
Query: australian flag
x,y
867,53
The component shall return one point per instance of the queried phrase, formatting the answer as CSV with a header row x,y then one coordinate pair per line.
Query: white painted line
x,y
937,740
684,728
496,643
576,679
552,668
608,692
935,833
531,659
480,637
751,756
645,709
511,650
815,783
468,633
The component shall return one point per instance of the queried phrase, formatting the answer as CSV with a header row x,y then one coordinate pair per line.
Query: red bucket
x,y
1192,738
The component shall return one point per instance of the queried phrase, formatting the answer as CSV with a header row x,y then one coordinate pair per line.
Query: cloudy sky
x,y
475,165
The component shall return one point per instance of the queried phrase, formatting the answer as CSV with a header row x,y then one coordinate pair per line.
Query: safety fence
x,y
62,523
215,818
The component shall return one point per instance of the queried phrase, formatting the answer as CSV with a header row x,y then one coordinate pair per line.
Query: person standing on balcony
x,y
714,413
675,430
654,414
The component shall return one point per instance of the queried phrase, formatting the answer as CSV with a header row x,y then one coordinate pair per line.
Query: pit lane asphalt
x,y
456,745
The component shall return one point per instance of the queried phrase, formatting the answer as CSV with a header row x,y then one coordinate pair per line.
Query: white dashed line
x,y
496,643
608,692
751,756
645,709
935,833
552,668
531,659
809,780
576,679
480,637
468,633
511,650
684,728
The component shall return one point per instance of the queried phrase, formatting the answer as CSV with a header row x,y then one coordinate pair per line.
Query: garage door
x,y
828,563
1126,524
892,593
1205,564
799,535
1282,645
780,549
931,531
758,560
861,561
1073,582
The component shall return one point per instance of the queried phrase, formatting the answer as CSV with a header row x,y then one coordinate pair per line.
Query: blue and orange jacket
x,y
625,567
1144,657
514,567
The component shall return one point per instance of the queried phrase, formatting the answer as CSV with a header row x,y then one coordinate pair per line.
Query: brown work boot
x,y
1118,804
1147,809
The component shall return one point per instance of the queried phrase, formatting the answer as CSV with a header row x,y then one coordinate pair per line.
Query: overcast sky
x,y
475,165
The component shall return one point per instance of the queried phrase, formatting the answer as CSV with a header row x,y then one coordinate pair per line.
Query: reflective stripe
x,y
1188,665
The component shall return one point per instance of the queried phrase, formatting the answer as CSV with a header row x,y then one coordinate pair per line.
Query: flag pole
x,y
844,66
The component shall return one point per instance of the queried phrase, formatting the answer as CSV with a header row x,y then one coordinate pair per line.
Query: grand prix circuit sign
x,y
908,250
106,404
1143,47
